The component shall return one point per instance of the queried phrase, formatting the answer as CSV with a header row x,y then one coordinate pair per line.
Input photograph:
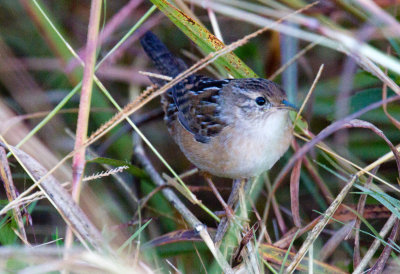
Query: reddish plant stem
x,y
294,188
78,161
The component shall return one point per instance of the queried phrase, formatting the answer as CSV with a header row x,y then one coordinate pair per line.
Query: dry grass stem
x,y
104,173
179,206
214,22
294,59
335,204
357,225
381,15
233,199
156,75
314,84
78,161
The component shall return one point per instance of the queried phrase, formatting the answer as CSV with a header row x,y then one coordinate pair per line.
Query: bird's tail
x,y
165,62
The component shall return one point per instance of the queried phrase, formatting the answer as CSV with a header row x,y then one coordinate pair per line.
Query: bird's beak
x,y
287,104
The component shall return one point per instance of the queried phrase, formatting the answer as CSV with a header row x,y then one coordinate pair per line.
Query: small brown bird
x,y
233,128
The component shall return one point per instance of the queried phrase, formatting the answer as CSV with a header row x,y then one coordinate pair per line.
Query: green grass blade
x,y
131,238
205,40
382,198
288,251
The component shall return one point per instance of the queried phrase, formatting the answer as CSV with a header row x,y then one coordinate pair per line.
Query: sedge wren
x,y
233,128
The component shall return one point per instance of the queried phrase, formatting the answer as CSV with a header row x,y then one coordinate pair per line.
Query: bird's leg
x,y
228,210
232,203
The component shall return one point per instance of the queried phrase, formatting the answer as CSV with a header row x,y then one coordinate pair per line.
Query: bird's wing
x,y
194,101
197,99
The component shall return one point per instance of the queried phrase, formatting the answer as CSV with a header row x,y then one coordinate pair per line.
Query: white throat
x,y
261,145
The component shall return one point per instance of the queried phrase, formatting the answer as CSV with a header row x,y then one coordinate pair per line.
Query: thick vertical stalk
x,y
78,162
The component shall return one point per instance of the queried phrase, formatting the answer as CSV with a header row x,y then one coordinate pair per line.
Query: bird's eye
x,y
260,101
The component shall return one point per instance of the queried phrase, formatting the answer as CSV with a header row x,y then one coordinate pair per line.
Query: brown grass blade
x,y
381,262
347,213
294,189
176,236
391,118
11,192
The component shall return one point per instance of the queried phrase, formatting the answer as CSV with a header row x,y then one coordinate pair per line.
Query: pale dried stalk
x,y
223,225
294,190
314,84
21,237
156,75
214,22
294,59
60,199
250,256
320,226
46,259
380,264
36,183
377,242
38,195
